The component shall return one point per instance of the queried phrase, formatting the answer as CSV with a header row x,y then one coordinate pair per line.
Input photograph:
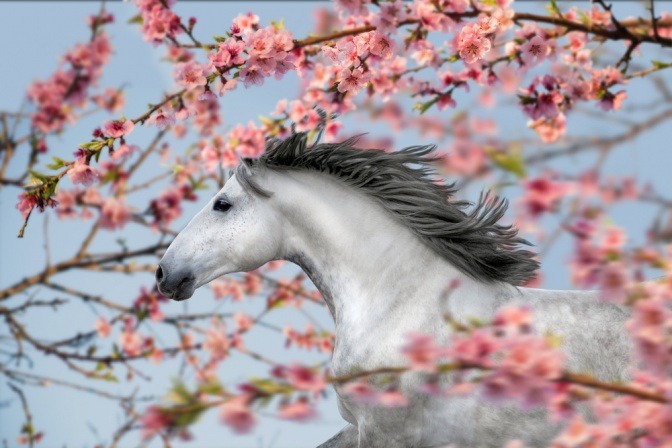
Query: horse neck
x,y
366,263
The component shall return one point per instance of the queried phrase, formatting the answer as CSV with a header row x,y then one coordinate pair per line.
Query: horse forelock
x,y
405,185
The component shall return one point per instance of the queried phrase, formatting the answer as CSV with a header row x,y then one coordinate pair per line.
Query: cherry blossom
x,y
82,173
237,415
117,128
114,214
103,327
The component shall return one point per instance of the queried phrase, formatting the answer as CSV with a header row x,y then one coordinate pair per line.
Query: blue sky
x,y
33,35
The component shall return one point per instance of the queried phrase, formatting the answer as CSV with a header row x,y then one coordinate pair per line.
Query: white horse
x,y
381,239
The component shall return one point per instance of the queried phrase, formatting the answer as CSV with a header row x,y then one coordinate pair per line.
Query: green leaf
x,y
135,19
188,416
179,394
279,25
660,65
553,8
424,107
39,176
58,163
94,145
220,38
511,160
524,100
212,387
109,376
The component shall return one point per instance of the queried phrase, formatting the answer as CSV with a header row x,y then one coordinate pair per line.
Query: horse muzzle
x,y
175,284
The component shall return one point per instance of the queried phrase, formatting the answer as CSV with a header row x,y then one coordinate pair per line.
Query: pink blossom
x,y
304,119
299,410
612,101
66,199
103,327
131,341
353,7
389,15
260,43
422,352
524,371
159,22
513,320
82,173
304,378
472,45
210,155
474,348
542,194
345,53
190,74
222,288
360,391
429,17
114,214
111,99
229,53
576,434
124,152
614,239
649,328
226,86
148,303
154,420
465,158
216,341
26,204
156,356
534,50
244,23
486,24
252,73
352,80
91,196
249,141
381,45
236,414
162,118
425,53
118,128
392,398
243,321
207,95
613,279
550,129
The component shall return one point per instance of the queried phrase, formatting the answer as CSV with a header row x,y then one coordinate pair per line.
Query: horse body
x,y
381,282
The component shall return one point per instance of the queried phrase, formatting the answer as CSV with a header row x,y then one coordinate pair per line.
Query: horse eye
x,y
221,205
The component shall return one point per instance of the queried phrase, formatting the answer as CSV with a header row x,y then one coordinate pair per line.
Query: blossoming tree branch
x,y
413,66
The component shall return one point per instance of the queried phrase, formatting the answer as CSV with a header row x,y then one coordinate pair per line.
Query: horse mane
x,y
402,182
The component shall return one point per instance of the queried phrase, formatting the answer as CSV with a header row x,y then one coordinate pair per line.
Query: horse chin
x,y
184,291
183,295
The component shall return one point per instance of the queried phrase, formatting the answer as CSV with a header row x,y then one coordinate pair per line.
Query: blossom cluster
x,y
66,90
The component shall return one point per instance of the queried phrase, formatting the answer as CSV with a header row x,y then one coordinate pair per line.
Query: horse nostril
x,y
159,274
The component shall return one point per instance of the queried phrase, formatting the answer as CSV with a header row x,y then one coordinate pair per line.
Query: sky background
x,y
34,35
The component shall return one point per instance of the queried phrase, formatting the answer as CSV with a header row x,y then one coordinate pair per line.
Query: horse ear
x,y
245,165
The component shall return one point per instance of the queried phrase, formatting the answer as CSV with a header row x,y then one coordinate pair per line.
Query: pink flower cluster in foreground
x,y
520,366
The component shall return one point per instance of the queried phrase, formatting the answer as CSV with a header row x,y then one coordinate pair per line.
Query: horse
x,y
380,237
